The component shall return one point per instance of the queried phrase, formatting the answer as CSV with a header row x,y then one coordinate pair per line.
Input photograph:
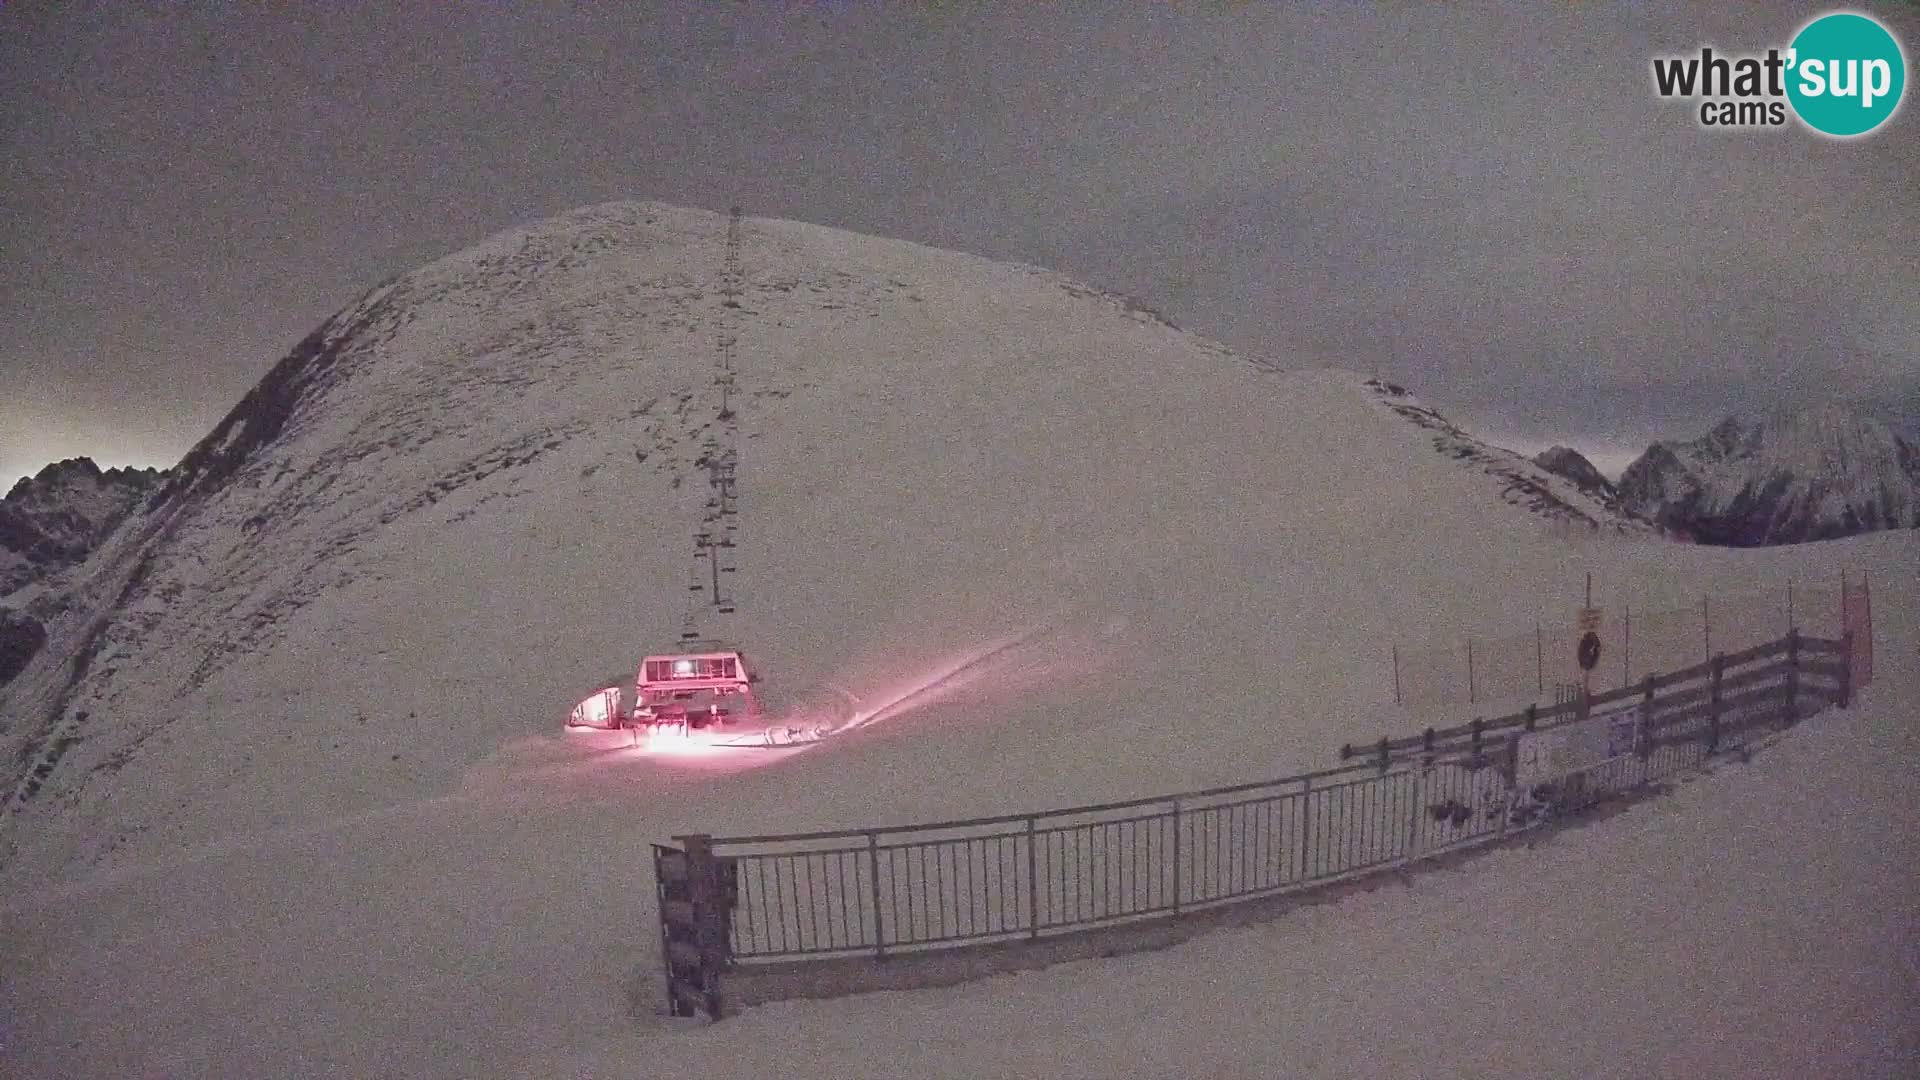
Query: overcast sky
x,y
1488,205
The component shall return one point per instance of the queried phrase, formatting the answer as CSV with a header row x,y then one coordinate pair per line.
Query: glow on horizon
x,y
108,450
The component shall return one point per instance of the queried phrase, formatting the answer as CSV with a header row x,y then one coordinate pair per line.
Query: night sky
x,y
1490,206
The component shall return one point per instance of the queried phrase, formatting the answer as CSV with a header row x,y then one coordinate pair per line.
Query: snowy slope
x,y
1810,474
308,810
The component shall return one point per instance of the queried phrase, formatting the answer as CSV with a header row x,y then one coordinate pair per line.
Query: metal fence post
x,y
1306,827
1413,816
1176,855
1033,882
873,881
709,933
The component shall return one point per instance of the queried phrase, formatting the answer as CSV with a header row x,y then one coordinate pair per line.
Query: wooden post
x,y
1539,659
1793,676
1713,704
1645,747
1383,754
1789,605
1846,668
1396,673
1866,619
1706,628
1510,764
1470,694
1533,715
1626,645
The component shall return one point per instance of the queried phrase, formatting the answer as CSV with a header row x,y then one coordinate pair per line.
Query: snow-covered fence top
x,y
729,903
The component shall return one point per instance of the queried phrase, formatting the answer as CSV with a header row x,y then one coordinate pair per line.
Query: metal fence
x,y
882,891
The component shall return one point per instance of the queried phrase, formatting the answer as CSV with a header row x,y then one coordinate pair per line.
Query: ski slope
x,y
319,816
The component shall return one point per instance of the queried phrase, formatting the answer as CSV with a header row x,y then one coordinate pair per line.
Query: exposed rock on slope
x,y
52,520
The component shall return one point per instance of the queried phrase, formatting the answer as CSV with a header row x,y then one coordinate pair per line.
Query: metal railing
x,y
881,891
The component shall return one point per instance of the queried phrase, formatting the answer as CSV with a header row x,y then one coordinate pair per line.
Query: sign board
x,y
1546,756
1587,651
1623,728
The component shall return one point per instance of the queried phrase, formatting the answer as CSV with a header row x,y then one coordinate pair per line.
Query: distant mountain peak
x,y
53,519
1572,464
1812,473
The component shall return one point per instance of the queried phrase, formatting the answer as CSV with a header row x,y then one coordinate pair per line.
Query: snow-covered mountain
x,y
473,496
1809,474
1572,464
52,520
287,792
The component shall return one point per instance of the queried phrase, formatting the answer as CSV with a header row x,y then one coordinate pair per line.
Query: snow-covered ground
x,y
319,817
1764,920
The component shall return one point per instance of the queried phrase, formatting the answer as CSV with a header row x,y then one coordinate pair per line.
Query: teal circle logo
x,y
1846,74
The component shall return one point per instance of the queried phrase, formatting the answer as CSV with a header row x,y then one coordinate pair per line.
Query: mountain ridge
x,y
52,520
1819,472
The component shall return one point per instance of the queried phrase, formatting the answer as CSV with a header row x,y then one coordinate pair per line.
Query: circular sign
x,y
1848,72
1589,650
